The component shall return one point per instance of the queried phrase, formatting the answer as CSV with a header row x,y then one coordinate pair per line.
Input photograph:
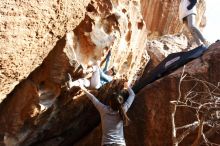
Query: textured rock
x,y
45,22
160,48
29,30
154,100
68,117
39,111
150,113
161,16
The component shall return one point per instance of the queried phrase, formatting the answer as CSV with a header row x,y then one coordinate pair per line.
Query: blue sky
x,y
212,29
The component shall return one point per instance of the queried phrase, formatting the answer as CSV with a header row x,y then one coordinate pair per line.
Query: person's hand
x,y
97,62
126,85
95,68
82,86
88,70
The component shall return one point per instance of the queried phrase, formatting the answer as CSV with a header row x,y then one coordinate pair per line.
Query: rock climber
x,y
113,116
187,14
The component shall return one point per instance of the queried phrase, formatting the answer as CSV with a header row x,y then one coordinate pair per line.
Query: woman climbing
x,y
113,116
187,14
99,76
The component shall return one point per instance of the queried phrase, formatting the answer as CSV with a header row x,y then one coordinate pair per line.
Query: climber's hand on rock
x,y
126,85
82,86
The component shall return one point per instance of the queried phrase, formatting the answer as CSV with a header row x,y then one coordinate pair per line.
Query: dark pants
x,y
196,33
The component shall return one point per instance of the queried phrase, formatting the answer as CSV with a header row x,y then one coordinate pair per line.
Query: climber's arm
x,y
99,106
130,99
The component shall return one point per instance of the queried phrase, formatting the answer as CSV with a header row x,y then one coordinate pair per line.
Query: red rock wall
x,y
150,113
29,31
87,22
23,111
161,16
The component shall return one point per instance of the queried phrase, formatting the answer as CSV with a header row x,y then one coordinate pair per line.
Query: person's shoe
x,y
70,83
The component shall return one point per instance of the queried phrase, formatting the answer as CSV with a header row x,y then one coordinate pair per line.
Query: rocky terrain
x,y
43,41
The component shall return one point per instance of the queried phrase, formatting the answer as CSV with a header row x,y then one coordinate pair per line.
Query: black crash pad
x,y
169,64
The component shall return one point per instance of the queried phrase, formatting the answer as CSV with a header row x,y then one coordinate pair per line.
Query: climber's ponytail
x,y
124,116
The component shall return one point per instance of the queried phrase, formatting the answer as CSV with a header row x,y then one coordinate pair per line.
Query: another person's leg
x,y
107,61
95,81
197,35
70,83
81,81
104,77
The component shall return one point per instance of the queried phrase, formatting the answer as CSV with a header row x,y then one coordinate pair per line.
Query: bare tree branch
x,y
175,141
200,132
186,132
205,103
188,126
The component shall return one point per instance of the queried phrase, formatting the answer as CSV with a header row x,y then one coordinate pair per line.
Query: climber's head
x,y
116,101
116,104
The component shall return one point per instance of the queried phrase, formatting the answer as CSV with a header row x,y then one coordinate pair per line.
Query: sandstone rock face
x,y
153,102
39,111
60,37
150,113
29,31
98,29
160,48
161,16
